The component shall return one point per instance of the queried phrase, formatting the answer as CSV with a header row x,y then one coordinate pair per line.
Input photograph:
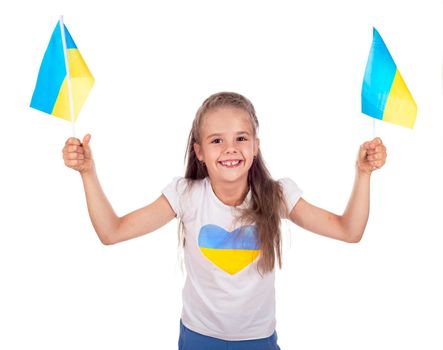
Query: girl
x,y
229,209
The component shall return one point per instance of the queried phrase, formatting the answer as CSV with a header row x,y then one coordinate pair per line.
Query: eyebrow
x,y
237,133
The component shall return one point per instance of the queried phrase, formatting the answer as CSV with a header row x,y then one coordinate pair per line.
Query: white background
x,y
302,64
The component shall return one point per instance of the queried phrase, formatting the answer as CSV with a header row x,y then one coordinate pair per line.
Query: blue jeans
x,y
190,340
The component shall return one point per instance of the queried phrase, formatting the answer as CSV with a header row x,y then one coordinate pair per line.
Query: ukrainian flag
x,y
230,251
51,93
384,93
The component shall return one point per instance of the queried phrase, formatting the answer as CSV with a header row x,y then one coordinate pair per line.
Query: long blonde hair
x,y
267,202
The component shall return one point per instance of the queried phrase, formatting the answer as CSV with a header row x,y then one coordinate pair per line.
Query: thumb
x,y
86,139
85,143
363,151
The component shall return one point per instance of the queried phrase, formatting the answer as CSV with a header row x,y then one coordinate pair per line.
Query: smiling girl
x,y
229,209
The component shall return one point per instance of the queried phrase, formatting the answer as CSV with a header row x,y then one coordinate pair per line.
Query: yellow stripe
x,y
81,83
230,260
401,108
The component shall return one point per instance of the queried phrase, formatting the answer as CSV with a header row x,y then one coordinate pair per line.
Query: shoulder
x,y
177,184
291,193
288,185
182,192
180,186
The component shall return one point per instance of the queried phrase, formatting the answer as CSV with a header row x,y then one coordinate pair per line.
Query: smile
x,y
230,163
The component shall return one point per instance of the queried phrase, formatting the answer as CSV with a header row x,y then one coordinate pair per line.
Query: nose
x,y
230,148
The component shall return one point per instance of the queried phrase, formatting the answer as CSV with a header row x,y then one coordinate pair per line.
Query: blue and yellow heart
x,y
230,251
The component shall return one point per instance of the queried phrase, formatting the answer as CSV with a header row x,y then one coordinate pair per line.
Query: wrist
x,y
88,172
362,172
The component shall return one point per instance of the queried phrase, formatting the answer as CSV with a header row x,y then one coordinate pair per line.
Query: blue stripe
x,y
52,72
70,44
213,236
379,75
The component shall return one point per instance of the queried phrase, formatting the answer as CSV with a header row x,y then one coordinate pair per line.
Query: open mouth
x,y
231,163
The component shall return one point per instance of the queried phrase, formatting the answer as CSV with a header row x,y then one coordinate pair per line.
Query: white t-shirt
x,y
224,295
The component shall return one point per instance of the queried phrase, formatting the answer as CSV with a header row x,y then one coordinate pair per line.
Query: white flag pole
x,y
68,74
373,128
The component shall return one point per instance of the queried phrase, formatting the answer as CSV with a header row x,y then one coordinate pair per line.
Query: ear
x,y
198,151
256,146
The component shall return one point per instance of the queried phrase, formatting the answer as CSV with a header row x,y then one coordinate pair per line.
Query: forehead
x,y
225,119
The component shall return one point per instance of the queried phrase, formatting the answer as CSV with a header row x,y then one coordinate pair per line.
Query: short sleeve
x,y
291,192
173,193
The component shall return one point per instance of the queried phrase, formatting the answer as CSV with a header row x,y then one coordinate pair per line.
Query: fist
x,y
77,155
371,156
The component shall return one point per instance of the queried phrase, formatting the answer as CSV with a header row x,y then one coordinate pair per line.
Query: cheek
x,y
211,153
248,154
250,150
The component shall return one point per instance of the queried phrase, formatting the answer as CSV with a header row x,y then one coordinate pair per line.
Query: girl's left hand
x,y
372,156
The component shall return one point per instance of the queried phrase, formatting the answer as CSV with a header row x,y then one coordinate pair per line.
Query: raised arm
x,y
350,226
109,227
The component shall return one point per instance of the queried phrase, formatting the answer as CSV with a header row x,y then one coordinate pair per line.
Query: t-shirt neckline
x,y
243,205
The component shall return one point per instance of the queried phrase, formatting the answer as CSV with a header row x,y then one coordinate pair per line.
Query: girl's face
x,y
227,145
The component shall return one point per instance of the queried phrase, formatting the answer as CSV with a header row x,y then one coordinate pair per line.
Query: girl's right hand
x,y
77,155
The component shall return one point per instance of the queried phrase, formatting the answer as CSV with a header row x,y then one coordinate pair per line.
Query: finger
x,y
74,155
372,165
72,149
377,156
377,141
380,148
72,163
75,149
380,155
376,164
73,141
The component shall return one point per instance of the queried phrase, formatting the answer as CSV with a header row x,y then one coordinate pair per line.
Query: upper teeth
x,y
231,162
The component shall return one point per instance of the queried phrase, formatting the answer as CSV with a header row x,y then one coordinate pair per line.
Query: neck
x,y
232,194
